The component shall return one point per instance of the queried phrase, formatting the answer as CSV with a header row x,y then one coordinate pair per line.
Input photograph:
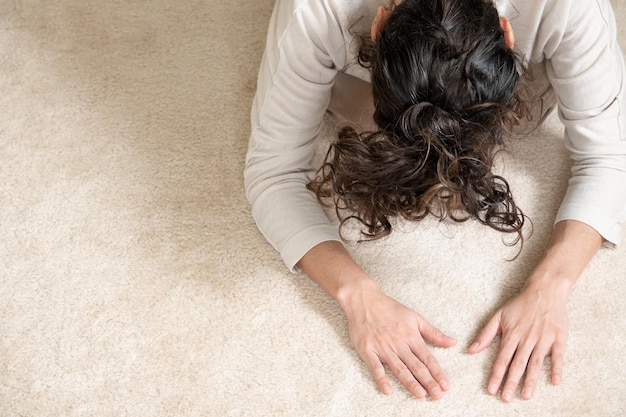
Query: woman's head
x,y
450,53
445,88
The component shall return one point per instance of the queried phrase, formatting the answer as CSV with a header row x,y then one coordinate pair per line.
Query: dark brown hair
x,y
446,93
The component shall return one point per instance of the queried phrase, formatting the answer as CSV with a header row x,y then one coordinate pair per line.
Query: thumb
x,y
436,336
486,336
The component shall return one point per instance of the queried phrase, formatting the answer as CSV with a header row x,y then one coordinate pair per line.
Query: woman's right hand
x,y
385,332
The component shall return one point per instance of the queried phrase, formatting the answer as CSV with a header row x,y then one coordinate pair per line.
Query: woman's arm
x,y
585,66
304,50
383,331
294,90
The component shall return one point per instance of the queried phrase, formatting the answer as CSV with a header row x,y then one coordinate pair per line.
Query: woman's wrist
x,y
354,295
550,283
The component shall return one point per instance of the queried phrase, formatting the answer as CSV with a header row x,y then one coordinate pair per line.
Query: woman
x,y
446,88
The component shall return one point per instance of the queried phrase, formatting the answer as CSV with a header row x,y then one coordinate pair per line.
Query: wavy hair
x,y
446,93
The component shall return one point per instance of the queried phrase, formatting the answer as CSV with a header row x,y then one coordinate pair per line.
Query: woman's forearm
x,y
330,265
571,248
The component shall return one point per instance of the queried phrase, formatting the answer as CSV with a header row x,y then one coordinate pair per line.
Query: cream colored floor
x,y
134,282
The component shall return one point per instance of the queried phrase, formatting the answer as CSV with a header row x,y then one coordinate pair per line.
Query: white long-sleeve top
x,y
570,45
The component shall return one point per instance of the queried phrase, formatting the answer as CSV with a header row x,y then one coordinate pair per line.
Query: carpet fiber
x,y
135,283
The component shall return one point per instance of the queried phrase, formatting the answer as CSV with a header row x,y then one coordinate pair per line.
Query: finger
x,y
432,365
378,372
486,336
501,364
406,377
516,369
535,365
558,354
435,336
420,366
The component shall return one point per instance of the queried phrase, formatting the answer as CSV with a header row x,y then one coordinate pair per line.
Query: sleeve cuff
x,y
300,243
609,229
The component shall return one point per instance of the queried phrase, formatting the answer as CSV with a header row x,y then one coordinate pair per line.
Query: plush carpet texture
x,y
134,281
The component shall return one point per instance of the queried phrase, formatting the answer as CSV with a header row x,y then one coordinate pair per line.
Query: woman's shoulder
x,y
540,26
334,26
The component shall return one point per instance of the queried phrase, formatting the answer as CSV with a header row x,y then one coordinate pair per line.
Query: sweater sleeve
x,y
586,69
305,47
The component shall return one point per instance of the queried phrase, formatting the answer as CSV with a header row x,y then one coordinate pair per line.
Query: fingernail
x,y
493,389
507,396
474,346
444,384
556,380
527,393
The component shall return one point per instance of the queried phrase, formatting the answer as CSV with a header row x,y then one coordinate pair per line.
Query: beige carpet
x,y
135,283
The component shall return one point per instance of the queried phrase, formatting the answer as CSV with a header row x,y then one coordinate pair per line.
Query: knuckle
x,y
413,386
424,376
363,346
511,388
501,363
519,363
438,375
510,384
432,386
417,367
429,361
380,379
535,362
557,354
531,380
399,369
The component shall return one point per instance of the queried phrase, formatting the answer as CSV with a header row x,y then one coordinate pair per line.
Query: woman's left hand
x,y
533,325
